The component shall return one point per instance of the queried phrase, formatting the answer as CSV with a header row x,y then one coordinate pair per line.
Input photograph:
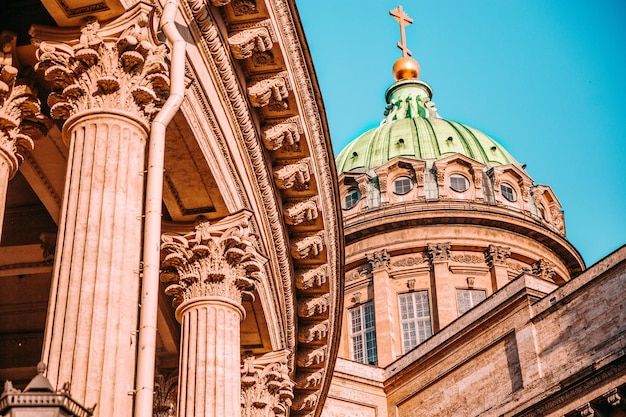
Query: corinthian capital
x,y
497,255
266,389
212,260
116,67
21,120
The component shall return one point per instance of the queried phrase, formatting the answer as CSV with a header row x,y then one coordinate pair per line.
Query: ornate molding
x,y
438,252
284,135
312,278
543,268
314,307
378,260
311,357
253,39
107,69
313,332
310,380
409,261
467,259
272,91
308,247
21,120
295,175
299,212
497,255
244,7
165,395
213,260
266,389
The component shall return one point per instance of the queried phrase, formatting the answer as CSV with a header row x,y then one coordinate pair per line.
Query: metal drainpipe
x,y
146,355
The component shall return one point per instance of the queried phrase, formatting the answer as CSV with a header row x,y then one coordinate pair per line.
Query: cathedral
x,y
177,238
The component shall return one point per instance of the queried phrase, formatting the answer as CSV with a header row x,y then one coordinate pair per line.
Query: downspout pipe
x,y
146,355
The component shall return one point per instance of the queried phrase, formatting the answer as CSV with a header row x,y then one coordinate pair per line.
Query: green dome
x,y
413,129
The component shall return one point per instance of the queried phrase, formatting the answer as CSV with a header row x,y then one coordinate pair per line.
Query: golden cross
x,y
403,19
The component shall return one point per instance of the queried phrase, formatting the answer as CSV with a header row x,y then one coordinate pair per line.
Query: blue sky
x,y
545,78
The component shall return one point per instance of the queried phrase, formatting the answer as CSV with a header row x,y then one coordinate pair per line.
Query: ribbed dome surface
x,y
412,129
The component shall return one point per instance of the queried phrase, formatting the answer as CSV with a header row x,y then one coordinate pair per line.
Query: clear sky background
x,y
545,78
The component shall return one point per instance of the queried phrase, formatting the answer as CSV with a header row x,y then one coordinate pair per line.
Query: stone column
x,y
444,297
496,257
106,85
385,308
21,120
211,269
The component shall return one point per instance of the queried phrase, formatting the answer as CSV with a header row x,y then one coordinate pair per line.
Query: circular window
x,y
351,198
507,191
402,185
459,183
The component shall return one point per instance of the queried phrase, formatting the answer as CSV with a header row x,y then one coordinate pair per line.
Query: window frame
x,y
415,330
458,175
473,302
363,336
504,193
399,178
351,192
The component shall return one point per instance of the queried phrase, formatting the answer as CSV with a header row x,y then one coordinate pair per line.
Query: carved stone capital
x,y
438,252
295,175
21,120
312,278
266,389
284,135
301,211
273,90
497,255
117,67
308,246
543,268
165,395
213,260
378,259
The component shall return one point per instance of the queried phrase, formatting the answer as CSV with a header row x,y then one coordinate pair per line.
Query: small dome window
x,y
352,197
402,185
508,192
459,183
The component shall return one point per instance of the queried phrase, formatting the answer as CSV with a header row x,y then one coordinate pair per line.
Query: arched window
x,y
508,191
402,185
459,183
352,197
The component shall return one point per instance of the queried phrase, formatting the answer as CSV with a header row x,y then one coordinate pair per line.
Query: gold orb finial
x,y
406,68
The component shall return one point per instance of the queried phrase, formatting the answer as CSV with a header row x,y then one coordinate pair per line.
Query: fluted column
x,y
107,86
21,120
211,269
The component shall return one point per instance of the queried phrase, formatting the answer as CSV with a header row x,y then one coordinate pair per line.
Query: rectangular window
x,y
414,319
467,299
363,334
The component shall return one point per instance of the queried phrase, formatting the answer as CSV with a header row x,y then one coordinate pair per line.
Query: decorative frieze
x,y
310,380
249,41
313,332
467,259
438,252
299,212
284,135
307,279
308,247
244,7
266,389
273,90
543,268
213,260
127,72
409,261
305,402
295,175
497,255
314,307
311,357
378,260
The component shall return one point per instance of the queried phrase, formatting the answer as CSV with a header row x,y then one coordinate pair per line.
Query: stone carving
x,y
309,357
378,259
497,255
284,135
48,245
358,274
313,307
296,175
409,261
243,44
308,246
614,398
213,260
303,402
165,395
312,380
467,259
219,3
301,211
517,267
266,389
558,220
543,268
127,73
438,252
244,7
273,90
312,278
470,282
313,332
21,120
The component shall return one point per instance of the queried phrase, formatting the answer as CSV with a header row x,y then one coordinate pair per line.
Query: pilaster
x,y
496,257
443,296
210,270
107,85
387,342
